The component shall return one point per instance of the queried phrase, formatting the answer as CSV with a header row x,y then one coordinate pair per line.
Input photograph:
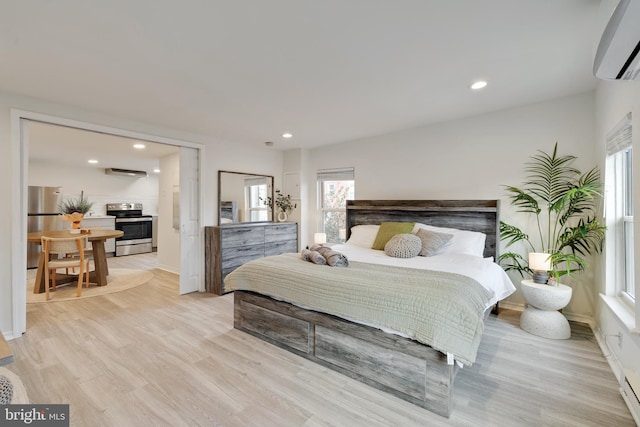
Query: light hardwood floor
x,y
147,356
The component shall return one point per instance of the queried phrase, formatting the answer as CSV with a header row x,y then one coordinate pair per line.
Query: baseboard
x,y
511,306
610,356
580,318
167,268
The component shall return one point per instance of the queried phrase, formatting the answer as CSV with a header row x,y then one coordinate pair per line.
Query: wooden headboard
x,y
472,215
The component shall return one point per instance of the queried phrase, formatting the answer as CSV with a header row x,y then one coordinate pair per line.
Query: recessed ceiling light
x,y
287,135
138,146
478,85
156,170
93,161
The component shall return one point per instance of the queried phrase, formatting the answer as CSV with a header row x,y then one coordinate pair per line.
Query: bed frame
x,y
399,366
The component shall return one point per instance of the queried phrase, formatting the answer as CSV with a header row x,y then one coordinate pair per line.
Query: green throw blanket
x,y
442,310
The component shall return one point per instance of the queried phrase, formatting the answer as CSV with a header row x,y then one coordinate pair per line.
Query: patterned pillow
x,y
6,390
403,246
432,243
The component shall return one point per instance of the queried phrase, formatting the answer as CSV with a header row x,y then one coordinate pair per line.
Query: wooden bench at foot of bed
x,y
399,366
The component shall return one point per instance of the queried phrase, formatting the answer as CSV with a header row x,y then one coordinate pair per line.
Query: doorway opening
x,y
189,186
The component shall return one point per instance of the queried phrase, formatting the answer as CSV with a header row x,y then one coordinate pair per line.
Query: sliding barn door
x,y
191,247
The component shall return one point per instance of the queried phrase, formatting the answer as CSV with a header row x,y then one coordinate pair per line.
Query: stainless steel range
x,y
137,228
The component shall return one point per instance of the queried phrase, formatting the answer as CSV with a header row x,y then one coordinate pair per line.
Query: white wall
x,y
247,157
98,187
293,164
470,158
614,100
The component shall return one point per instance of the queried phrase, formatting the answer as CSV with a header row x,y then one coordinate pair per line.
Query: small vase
x,y
75,219
75,227
282,216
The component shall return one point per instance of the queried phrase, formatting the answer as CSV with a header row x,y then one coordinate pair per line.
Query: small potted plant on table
x,y
73,210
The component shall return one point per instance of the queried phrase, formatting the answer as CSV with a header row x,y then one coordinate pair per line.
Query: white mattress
x,y
486,272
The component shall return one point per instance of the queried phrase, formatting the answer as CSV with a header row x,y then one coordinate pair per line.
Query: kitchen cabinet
x,y
106,222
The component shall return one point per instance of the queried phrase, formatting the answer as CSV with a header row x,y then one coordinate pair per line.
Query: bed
x,y
418,362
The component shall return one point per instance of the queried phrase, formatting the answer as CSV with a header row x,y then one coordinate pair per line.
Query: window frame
x,y
259,209
345,174
619,212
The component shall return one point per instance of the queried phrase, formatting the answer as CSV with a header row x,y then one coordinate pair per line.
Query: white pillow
x,y
363,235
463,241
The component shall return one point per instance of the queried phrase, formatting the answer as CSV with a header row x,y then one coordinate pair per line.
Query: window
x,y
255,191
619,181
335,187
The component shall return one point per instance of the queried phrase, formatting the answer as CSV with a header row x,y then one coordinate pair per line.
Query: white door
x,y
191,249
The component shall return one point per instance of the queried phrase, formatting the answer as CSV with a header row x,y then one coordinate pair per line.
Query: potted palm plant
x,y
563,201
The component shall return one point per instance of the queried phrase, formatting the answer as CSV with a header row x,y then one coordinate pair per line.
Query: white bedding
x,y
486,272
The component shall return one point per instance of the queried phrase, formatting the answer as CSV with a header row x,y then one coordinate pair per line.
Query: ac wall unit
x,y
618,57
126,172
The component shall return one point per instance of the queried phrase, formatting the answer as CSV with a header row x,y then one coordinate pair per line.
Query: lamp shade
x,y
319,238
539,261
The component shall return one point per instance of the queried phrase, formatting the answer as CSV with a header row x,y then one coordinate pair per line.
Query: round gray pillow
x,y
6,390
403,246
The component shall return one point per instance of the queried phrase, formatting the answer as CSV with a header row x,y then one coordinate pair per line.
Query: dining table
x,y
97,237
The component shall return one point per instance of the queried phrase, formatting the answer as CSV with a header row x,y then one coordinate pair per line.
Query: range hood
x,y
126,172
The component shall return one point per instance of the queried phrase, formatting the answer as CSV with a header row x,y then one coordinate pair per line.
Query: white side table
x,y
541,316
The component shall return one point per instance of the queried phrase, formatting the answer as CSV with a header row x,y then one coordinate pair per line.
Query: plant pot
x,y
282,216
75,219
75,227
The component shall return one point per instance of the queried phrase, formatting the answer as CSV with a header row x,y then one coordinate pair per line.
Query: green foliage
x,y
284,203
337,199
80,205
563,201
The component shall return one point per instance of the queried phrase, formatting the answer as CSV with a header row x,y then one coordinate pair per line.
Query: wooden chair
x,y
63,246
88,252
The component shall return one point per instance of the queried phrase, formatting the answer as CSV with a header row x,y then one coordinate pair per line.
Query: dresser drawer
x,y
278,233
230,246
233,257
226,271
241,236
277,248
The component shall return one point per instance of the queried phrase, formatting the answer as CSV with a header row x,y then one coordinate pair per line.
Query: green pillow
x,y
389,229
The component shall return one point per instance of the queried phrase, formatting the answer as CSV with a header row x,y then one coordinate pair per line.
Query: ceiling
x,y
75,147
328,71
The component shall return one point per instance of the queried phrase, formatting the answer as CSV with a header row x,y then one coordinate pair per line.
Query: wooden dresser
x,y
229,246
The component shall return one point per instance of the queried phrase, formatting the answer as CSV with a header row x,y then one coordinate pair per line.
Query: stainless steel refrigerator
x,y
42,213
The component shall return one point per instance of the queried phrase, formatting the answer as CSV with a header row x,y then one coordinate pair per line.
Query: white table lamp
x,y
540,263
319,238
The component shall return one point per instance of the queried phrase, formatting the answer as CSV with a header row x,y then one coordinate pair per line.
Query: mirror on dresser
x,y
241,197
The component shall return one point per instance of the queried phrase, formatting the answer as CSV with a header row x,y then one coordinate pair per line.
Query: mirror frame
x,y
220,172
